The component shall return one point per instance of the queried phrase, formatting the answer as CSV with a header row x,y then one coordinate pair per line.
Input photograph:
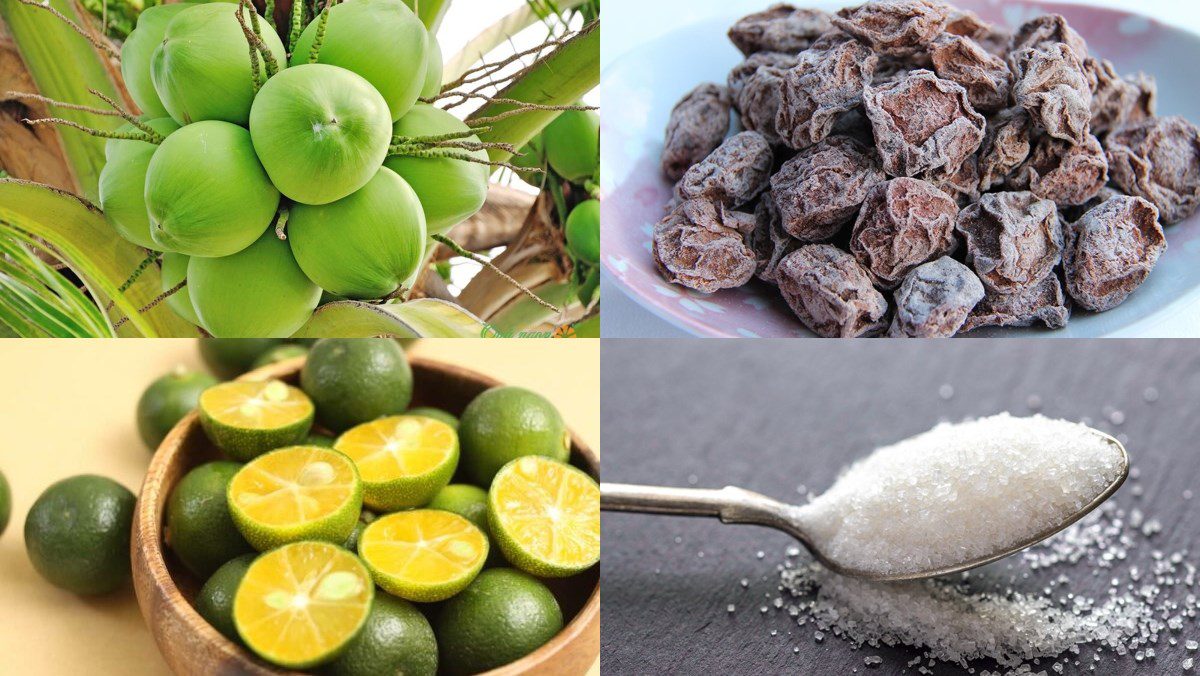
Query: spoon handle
x,y
730,504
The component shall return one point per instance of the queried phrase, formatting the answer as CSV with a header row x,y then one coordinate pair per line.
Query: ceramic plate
x,y
650,79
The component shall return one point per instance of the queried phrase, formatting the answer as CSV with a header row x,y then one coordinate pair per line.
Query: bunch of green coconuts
x,y
237,141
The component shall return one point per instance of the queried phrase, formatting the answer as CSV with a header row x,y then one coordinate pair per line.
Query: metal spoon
x,y
737,505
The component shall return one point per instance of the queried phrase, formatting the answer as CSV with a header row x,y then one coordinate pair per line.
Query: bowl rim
x,y
147,542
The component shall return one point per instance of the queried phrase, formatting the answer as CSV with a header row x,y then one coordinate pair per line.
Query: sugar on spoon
x,y
950,499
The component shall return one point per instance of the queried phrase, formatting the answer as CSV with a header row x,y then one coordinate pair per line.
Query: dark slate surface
x,y
772,415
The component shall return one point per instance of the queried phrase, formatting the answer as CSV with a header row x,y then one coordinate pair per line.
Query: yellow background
x,y
67,408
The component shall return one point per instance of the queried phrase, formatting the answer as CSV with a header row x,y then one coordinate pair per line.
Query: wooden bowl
x,y
164,587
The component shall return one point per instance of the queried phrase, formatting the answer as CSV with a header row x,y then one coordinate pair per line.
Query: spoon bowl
x,y
737,505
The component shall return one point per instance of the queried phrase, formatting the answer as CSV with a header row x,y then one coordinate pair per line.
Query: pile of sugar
x,y
960,492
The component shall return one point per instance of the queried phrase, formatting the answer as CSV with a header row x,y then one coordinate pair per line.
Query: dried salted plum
x,y
758,102
824,84
1043,302
831,293
820,189
698,124
779,28
1110,251
1005,147
923,124
700,245
742,72
895,27
966,23
1045,32
1118,101
1014,239
733,174
1158,160
1066,174
935,300
768,240
985,77
1051,85
903,223
963,185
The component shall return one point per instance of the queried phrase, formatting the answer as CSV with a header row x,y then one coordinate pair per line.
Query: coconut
x,y
433,68
381,40
572,143
364,245
583,231
201,70
450,190
320,131
206,193
532,155
136,53
123,183
258,292
174,271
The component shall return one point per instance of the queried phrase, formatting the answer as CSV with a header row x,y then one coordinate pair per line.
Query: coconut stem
x,y
315,52
103,46
456,248
281,223
255,73
155,137
269,13
411,151
484,71
267,56
133,276
61,104
153,303
521,109
294,31
99,133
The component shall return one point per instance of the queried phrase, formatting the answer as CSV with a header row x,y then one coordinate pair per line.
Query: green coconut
x,y
583,231
201,70
364,245
174,271
136,54
123,183
258,292
530,156
433,68
320,131
450,190
206,192
572,143
381,40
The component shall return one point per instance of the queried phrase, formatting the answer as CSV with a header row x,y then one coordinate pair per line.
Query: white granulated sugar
x,y
960,492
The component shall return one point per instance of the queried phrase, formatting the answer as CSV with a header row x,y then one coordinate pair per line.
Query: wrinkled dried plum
x,y
831,293
768,240
1159,160
1066,174
903,223
1014,239
700,245
758,102
923,124
935,300
824,84
895,27
1118,101
733,174
820,189
1004,148
962,185
1043,303
780,28
1045,32
1051,85
966,23
985,77
698,124
742,72
1110,251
